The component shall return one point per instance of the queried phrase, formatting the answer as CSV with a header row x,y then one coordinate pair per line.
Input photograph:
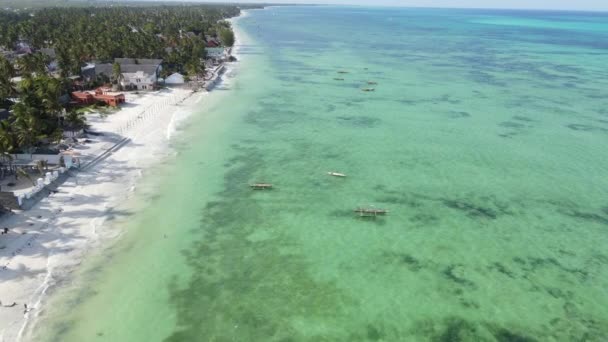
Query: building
x,y
137,74
104,95
50,52
140,79
212,42
23,48
87,73
216,53
175,79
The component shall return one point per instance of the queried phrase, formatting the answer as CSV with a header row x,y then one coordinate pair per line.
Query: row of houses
x,y
137,74
105,95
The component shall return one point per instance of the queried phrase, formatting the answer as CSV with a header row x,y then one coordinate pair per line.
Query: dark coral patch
x,y
586,128
373,333
505,335
592,217
456,330
500,268
458,114
470,209
405,259
359,121
522,118
453,273
510,124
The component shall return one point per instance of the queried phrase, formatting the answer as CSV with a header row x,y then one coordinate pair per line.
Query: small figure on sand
x,y
4,231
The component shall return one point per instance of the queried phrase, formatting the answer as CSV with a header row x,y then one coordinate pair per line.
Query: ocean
x,y
485,137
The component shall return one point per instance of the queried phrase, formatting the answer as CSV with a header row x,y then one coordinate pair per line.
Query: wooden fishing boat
x,y
338,79
372,82
261,186
368,89
336,174
342,72
370,211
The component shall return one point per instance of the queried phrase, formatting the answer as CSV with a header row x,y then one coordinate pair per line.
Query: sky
x,y
581,5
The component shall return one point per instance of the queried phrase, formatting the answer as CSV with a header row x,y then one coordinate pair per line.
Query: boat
x,y
261,186
342,72
372,82
368,89
336,174
338,79
370,211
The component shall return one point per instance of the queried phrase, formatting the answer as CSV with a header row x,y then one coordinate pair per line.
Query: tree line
x,y
175,33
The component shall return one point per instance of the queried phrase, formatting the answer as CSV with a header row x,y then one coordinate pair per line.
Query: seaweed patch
x,y
500,268
592,217
586,128
522,118
455,274
359,121
510,124
405,259
504,335
471,209
458,114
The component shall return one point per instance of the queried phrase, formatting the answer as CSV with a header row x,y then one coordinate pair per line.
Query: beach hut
x,y
175,79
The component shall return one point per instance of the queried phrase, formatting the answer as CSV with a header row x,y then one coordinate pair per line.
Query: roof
x,y
82,94
4,114
106,68
103,69
175,78
139,61
133,68
88,72
49,52
215,52
110,96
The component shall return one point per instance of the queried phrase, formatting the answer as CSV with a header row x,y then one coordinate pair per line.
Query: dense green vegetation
x,y
102,33
88,31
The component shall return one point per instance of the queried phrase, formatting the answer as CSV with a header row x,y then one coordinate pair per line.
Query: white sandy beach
x,y
45,243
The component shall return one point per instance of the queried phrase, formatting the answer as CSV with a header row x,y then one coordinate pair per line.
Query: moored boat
x,y
370,211
336,174
261,186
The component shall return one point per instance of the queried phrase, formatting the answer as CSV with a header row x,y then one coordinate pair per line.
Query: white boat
x,y
336,174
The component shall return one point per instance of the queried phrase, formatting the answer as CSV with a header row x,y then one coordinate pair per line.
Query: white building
x,y
139,80
137,74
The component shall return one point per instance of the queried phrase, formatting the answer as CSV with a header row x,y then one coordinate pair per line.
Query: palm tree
x,y
27,127
33,63
75,120
7,89
116,74
7,143
48,91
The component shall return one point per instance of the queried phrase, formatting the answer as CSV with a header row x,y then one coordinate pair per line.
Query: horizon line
x,y
254,2
409,6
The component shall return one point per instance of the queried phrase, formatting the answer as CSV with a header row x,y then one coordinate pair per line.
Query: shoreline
x,y
49,241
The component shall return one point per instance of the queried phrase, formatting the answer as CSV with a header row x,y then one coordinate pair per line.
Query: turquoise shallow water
x,y
485,137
